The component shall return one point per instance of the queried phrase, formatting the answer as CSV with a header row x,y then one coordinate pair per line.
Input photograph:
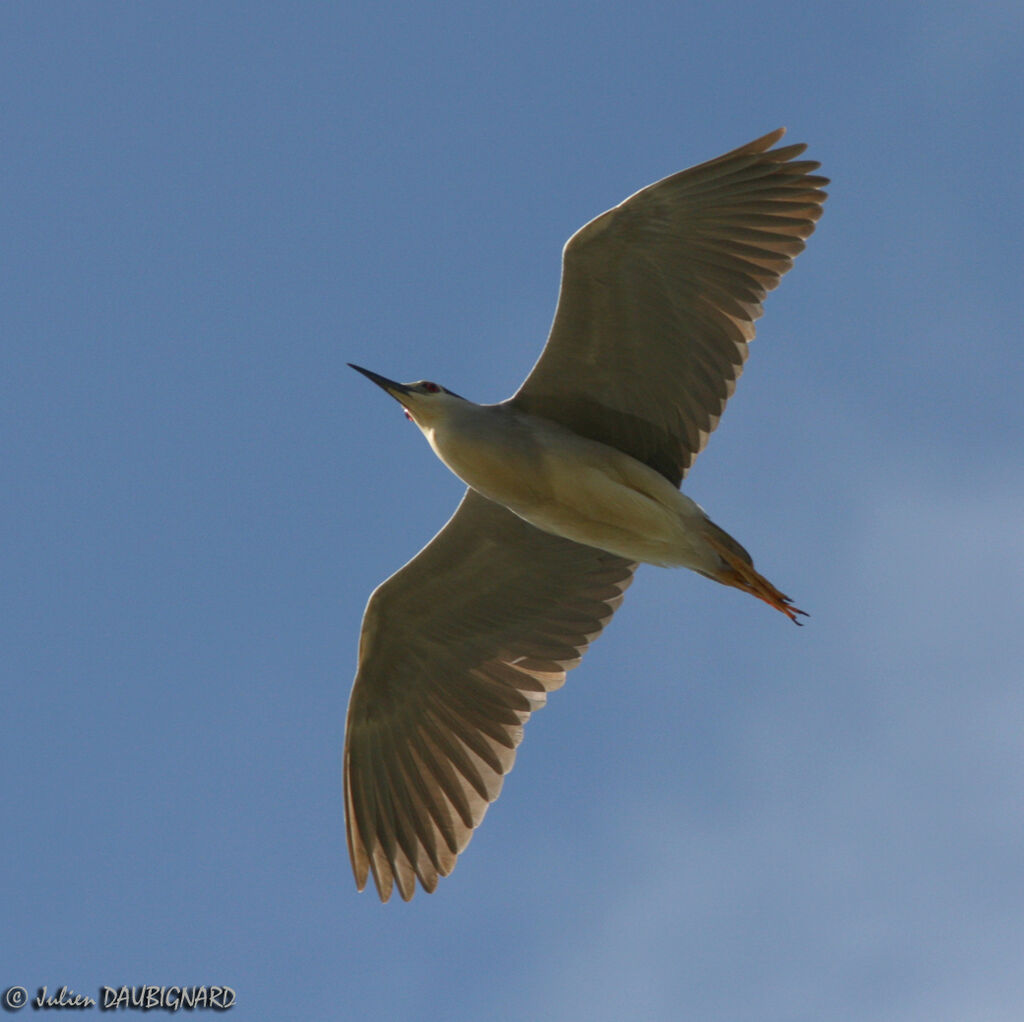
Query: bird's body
x,y
570,485
573,481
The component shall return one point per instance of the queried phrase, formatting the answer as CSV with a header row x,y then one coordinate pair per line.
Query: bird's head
x,y
424,402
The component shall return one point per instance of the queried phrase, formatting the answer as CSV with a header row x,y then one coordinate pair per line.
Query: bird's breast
x,y
506,466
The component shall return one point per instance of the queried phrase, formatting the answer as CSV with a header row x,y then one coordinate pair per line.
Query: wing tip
x,y
766,141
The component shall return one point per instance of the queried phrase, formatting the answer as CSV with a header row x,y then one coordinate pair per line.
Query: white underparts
x,y
582,490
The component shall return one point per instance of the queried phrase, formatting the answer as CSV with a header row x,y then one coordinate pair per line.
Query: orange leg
x,y
741,575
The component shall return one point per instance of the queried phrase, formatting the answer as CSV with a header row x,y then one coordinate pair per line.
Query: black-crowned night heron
x,y
572,481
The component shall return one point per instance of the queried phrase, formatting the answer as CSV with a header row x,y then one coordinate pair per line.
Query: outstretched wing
x,y
659,297
458,648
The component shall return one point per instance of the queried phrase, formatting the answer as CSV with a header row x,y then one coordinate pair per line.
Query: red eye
x,y
431,388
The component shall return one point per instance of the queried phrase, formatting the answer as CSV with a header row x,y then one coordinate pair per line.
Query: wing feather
x,y
659,297
458,648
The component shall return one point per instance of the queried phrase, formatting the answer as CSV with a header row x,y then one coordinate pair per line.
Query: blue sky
x,y
207,210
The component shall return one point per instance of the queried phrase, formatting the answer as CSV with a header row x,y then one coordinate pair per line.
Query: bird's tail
x,y
737,570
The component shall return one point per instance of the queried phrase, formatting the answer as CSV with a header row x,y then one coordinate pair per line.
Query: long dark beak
x,y
396,390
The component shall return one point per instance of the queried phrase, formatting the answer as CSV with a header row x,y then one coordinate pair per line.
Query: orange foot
x,y
741,575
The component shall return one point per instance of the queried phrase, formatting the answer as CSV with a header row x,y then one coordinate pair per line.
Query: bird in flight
x,y
572,482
